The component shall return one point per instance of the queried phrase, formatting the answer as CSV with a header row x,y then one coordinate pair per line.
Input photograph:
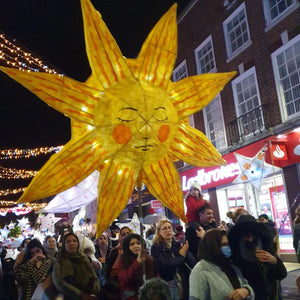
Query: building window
x,y
214,123
205,57
286,65
212,113
247,103
276,10
236,32
180,72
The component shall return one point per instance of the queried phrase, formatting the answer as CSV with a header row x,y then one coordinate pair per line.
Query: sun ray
x,y
191,94
109,67
59,173
163,182
116,183
158,54
195,148
64,94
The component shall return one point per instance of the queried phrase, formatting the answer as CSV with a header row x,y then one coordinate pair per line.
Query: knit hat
x,y
196,185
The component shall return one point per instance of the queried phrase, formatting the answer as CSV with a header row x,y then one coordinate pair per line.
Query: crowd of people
x,y
202,261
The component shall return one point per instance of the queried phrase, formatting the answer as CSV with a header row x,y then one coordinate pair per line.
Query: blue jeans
x,y
172,285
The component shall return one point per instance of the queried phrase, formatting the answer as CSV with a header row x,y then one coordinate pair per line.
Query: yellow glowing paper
x,y
128,119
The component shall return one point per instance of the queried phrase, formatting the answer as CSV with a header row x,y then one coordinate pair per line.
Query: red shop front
x,y
230,192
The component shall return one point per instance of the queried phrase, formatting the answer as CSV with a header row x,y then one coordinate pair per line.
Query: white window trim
x,y
284,115
235,97
206,123
231,55
271,23
183,63
209,38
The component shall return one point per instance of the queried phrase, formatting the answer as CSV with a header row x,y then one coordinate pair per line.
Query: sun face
x,y
143,122
128,120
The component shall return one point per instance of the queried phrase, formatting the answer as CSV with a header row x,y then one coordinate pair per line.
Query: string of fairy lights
x,y
27,153
12,55
13,173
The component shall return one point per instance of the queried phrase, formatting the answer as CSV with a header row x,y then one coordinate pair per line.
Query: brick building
x,y
258,109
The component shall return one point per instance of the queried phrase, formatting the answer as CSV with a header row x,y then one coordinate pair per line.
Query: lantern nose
x,y
146,131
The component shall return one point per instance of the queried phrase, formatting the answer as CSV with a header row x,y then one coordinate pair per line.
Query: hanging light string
x,y
12,191
12,55
11,173
27,153
9,203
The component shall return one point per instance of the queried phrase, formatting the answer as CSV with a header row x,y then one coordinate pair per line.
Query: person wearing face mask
x,y
255,254
215,277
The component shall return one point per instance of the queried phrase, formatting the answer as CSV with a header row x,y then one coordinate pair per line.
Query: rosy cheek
x,y
163,133
121,134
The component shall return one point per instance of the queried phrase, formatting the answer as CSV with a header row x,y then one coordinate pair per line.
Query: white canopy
x,y
74,198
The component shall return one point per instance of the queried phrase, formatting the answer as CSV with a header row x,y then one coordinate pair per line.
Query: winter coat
x,y
193,239
170,261
208,281
131,279
192,205
28,275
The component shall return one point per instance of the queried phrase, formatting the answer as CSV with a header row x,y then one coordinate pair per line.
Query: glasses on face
x,y
166,228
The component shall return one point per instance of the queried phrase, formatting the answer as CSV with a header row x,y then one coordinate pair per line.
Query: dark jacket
x,y
262,277
170,261
296,239
193,239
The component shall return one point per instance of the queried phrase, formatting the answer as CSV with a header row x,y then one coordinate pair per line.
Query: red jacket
x,y
131,279
192,205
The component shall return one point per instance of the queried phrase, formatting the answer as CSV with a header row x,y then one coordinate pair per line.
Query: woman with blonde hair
x,y
172,258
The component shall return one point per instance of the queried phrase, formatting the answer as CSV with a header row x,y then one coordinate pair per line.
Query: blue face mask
x,y
226,251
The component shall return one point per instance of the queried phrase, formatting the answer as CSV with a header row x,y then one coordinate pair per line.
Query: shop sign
x,y
155,204
279,151
210,177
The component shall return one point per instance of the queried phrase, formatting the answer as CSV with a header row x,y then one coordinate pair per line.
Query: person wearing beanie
x,y
255,254
194,201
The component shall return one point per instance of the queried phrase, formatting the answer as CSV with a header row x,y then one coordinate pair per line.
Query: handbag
x,y
46,290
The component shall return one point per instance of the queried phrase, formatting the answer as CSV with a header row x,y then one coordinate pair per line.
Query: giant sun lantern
x,y
128,120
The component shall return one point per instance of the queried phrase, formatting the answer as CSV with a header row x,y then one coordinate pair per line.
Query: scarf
x,y
52,252
77,270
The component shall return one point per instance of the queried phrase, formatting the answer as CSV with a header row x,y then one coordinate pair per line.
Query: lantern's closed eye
x,y
161,114
127,114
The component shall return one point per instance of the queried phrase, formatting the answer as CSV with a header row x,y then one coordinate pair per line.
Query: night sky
x,y
53,31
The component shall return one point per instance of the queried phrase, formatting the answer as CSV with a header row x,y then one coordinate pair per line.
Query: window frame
x,y
272,22
179,67
201,46
206,123
232,54
280,93
234,83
